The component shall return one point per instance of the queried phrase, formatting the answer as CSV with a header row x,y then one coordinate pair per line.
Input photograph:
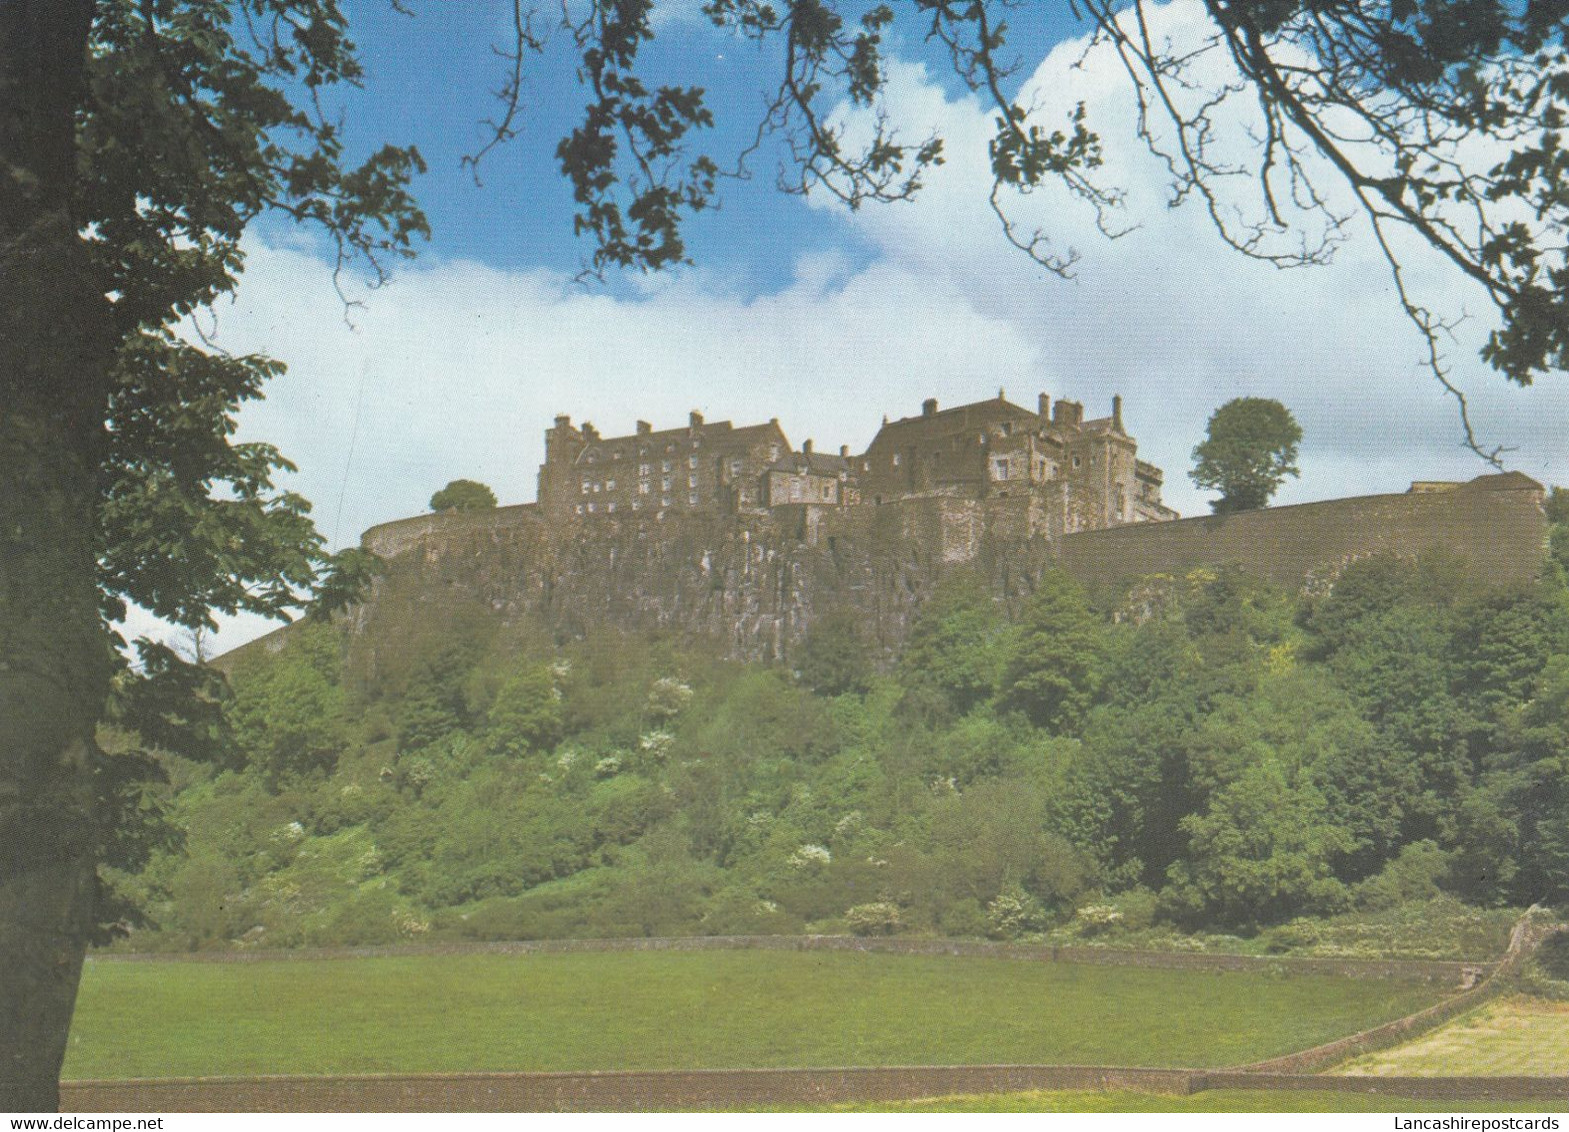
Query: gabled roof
x,y
959,417
712,432
817,463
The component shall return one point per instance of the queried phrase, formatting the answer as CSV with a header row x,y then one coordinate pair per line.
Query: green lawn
x,y
1524,1037
634,1010
1217,1100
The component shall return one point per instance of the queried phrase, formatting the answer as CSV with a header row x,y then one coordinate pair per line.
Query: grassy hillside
x,y
710,1010
1376,770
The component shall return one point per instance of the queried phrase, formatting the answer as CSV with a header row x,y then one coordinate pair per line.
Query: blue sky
x,y
800,310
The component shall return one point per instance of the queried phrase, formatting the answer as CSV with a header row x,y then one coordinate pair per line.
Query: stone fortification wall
x,y
1495,523
755,582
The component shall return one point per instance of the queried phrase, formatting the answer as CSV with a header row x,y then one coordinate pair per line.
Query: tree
x,y
463,495
139,138
1055,666
953,655
1249,449
137,141
833,657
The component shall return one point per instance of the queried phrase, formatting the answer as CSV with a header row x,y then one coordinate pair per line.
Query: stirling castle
x,y
731,534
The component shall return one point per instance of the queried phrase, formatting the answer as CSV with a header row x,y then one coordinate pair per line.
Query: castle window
x,y
610,485
896,459
735,467
637,504
691,481
579,508
642,488
585,487
644,469
665,483
590,508
795,491
596,487
828,492
692,499
1077,461
664,466
691,461
610,506
665,502
1000,468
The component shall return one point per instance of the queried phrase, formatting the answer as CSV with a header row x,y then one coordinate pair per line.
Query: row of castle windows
x,y
592,457
593,487
637,505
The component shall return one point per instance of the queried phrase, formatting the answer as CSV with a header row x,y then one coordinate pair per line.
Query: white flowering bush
x,y
608,766
656,744
1098,917
810,857
667,697
1013,913
881,917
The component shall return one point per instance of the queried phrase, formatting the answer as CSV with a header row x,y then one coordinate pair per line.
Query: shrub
x,y
1013,913
881,917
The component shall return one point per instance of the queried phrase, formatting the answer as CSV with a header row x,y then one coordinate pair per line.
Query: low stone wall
x,y
730,1089
1415,1088
1528,933
1442,972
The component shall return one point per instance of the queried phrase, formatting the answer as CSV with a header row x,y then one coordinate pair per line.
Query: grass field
x,y
667,1010
1525,1037
1217,1100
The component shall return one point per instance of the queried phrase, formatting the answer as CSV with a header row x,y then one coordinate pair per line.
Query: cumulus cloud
x,y
455,368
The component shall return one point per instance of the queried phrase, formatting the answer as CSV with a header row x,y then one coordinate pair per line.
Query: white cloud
x,y
455,369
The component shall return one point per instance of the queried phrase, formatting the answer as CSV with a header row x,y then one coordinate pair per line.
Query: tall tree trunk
x,y
55,343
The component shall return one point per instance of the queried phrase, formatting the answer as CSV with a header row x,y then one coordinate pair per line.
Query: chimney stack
x,y
1043,407
590,432
563,421
1068,414
1116,412
929,407
806,447
644,428
696,419
844,451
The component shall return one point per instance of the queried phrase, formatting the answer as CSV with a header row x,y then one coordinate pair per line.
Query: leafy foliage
x,y
463,495
1249,449
1238,760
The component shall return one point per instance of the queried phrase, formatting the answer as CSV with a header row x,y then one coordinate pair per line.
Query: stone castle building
x,y
1080,474
732,535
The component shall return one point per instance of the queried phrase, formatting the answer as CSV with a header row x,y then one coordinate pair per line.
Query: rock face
x,y
754,582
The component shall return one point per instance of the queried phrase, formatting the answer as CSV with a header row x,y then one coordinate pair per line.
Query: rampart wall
x,y
1498,528
755,582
